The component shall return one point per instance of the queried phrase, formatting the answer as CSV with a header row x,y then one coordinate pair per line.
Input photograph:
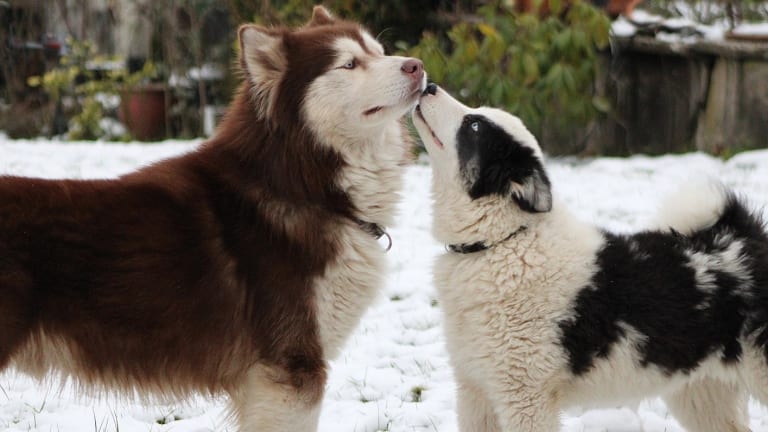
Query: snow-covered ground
x,y
684,29
393,374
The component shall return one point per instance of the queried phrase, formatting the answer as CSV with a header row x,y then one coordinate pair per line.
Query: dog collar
x,y
375,230
468,248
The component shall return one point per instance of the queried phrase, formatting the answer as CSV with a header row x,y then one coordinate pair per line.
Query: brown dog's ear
x,y
320,16
263,60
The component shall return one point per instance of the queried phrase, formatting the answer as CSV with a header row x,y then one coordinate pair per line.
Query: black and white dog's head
x,y
488,172
491,151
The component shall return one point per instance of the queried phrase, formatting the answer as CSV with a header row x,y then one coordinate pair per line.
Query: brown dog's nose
x,y
413,67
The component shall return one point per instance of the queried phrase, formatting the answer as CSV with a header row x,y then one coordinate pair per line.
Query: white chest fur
x,y
372,178
347,288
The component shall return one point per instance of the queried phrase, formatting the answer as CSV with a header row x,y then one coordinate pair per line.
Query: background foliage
x,y
541,69
75,77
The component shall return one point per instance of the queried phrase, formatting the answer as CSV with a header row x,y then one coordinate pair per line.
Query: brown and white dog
x,y
237,269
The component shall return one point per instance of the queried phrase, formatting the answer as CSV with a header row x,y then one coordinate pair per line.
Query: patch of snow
x,y
674,38
678,23
683,29
641,16
756,29
623,28
112,127
394,373
712,32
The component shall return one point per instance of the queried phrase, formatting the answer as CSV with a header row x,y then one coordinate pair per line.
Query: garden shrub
x,y
75,79
541,69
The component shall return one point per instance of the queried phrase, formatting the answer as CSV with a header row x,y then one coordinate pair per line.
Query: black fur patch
x,y
647,281
491,160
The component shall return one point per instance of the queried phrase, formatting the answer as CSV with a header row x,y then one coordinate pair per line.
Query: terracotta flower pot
x,y
142,111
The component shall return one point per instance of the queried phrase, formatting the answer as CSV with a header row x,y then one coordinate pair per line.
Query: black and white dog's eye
x,y
475,126
349,65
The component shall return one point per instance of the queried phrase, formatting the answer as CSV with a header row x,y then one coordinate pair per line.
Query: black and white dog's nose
x,y
431,89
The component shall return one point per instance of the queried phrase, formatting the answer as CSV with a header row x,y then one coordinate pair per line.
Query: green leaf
x,y
497,93
568,80
556,7
562,41
34,81
601,103
488,31
530,68
580,41
537,68
399,45
554,77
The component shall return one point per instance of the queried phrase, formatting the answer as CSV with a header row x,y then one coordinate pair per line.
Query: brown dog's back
x,y
157,279
120,277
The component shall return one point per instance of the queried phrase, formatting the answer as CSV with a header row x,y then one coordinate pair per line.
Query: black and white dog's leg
x,y
474,409
710,405
525,409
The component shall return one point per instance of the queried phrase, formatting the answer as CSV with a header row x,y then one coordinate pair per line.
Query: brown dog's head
x,y
330,74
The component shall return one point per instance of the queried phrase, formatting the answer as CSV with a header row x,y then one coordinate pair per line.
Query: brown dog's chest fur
x,y
187,272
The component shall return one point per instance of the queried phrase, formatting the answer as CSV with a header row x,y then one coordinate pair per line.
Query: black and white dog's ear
x,y
523,179
493,162
533,193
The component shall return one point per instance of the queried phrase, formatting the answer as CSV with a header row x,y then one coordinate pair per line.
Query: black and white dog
x,y
543,311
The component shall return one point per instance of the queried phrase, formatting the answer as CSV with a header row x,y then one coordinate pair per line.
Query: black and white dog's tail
x,y
719,223
701,204
715,221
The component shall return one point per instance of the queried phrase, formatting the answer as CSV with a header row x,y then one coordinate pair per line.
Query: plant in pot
x,y
84,88
143,105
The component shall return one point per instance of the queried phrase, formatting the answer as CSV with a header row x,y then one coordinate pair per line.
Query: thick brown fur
x,y
194,274
148,275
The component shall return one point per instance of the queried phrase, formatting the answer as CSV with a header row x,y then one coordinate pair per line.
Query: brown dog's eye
x,y
350,64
